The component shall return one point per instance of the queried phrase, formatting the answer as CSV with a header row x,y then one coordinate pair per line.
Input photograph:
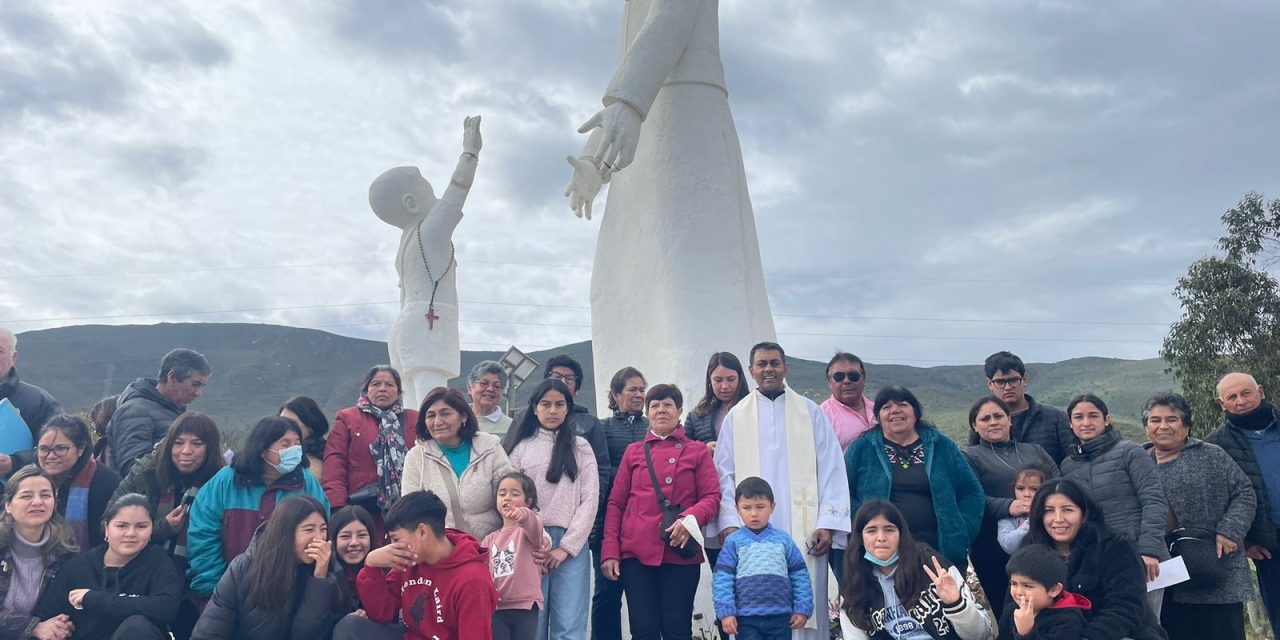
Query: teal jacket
x,y
226,514
958,498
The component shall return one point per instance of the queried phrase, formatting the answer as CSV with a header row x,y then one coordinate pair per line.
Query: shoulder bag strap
x,y
653,477
451,485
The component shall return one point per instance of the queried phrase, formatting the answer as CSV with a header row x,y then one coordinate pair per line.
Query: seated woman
x,y
84,487
455,460
35,543
315,430
1101,565
126,589
896,587
659,577
906,460
996,459
170,482
287,585
226,512
352,530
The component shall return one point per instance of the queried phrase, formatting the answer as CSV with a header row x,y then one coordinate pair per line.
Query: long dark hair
x,y
75,429
1089,511
861,591
563,461
709,401
248,462
973,416
345,516
273,571
202,427
312,418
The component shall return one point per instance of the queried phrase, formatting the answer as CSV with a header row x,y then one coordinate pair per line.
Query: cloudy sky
x,y
932,181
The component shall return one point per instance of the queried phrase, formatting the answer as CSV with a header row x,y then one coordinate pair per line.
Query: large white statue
x,y
677,271
424,343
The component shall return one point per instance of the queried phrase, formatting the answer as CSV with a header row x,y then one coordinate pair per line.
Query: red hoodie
x,y
453,599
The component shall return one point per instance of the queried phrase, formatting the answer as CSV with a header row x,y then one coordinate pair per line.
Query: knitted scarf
x,y
388,449
78,502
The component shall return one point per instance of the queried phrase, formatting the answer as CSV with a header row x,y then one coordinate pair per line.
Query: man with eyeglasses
x,y
850,411
485,383
32,404
1251,436
1032,422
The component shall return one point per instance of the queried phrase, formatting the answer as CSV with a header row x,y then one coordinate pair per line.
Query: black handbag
x,y
670,514
1198,549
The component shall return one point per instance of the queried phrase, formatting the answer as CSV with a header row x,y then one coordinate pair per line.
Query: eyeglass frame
x,y
840,376
1007,383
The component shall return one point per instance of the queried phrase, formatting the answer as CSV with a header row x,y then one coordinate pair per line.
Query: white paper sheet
x,y
1171,572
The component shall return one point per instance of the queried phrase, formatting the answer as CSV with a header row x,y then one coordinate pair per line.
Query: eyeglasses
x,y
1005,383
487,384
59,451
567,379
840,376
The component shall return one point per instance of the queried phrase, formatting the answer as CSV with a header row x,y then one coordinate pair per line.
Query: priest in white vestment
x,y
786,439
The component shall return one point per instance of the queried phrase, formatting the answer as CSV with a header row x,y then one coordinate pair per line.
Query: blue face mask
x,y
880,563
290,458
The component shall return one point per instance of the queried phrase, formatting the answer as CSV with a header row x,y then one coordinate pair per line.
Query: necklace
x,y
435,282
999,457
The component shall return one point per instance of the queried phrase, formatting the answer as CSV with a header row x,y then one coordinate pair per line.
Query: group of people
x,y
456,520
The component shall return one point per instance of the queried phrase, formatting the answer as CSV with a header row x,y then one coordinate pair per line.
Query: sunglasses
x,y
840,376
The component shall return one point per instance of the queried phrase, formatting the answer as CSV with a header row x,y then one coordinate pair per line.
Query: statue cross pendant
x,y
431,307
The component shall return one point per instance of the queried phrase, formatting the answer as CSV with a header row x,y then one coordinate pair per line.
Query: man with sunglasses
x,y
1032,422
850,411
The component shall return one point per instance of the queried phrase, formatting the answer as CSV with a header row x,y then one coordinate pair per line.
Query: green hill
x,y
257,367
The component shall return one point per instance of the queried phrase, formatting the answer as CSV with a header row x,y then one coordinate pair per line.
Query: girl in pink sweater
x,y
517,575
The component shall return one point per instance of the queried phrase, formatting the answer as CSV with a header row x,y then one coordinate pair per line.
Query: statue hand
x,y
471,140
619,125
583,185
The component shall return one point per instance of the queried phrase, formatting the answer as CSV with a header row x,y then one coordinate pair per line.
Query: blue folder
x,y
14,434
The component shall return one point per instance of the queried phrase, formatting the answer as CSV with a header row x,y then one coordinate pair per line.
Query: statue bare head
x,y
401,196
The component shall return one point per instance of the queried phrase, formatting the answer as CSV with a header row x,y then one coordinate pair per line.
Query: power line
x,y
977,320
1000,339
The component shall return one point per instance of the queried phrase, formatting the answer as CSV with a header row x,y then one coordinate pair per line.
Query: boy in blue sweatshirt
x,y
761,584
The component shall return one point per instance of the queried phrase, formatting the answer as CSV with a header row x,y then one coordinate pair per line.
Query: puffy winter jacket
x,y
35,406
1046,426
701,427
225,515
958,499
141,420
1263,531
1122,479
317,605
425,468
1105,568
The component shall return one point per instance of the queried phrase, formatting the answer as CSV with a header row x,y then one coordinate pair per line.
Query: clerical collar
x,y
772,395
495,416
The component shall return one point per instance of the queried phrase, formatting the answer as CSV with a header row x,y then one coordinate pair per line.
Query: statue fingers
x,y
588,208
594,122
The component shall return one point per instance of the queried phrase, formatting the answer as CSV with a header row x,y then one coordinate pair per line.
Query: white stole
x,y
802,456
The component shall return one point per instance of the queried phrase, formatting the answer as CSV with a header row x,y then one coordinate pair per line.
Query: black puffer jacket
x,y
35,406
1123,480
1263,530
316,607
701,427
140,421
1106,569
1046,426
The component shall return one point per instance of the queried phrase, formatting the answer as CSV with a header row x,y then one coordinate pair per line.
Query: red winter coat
x,y
453,599
632,520
348,462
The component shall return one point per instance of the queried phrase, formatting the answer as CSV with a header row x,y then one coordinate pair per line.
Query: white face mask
x,y
290,458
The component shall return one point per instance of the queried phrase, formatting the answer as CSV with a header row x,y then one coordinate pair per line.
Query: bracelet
x,y
473,156
459,184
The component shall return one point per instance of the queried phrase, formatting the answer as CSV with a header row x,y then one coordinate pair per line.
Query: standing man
x,y
485,383
778,435
1251,435
33,404
850,411
149,405
424,344
1032,422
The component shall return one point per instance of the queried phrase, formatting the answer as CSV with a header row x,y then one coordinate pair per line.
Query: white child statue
x,y
424,344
